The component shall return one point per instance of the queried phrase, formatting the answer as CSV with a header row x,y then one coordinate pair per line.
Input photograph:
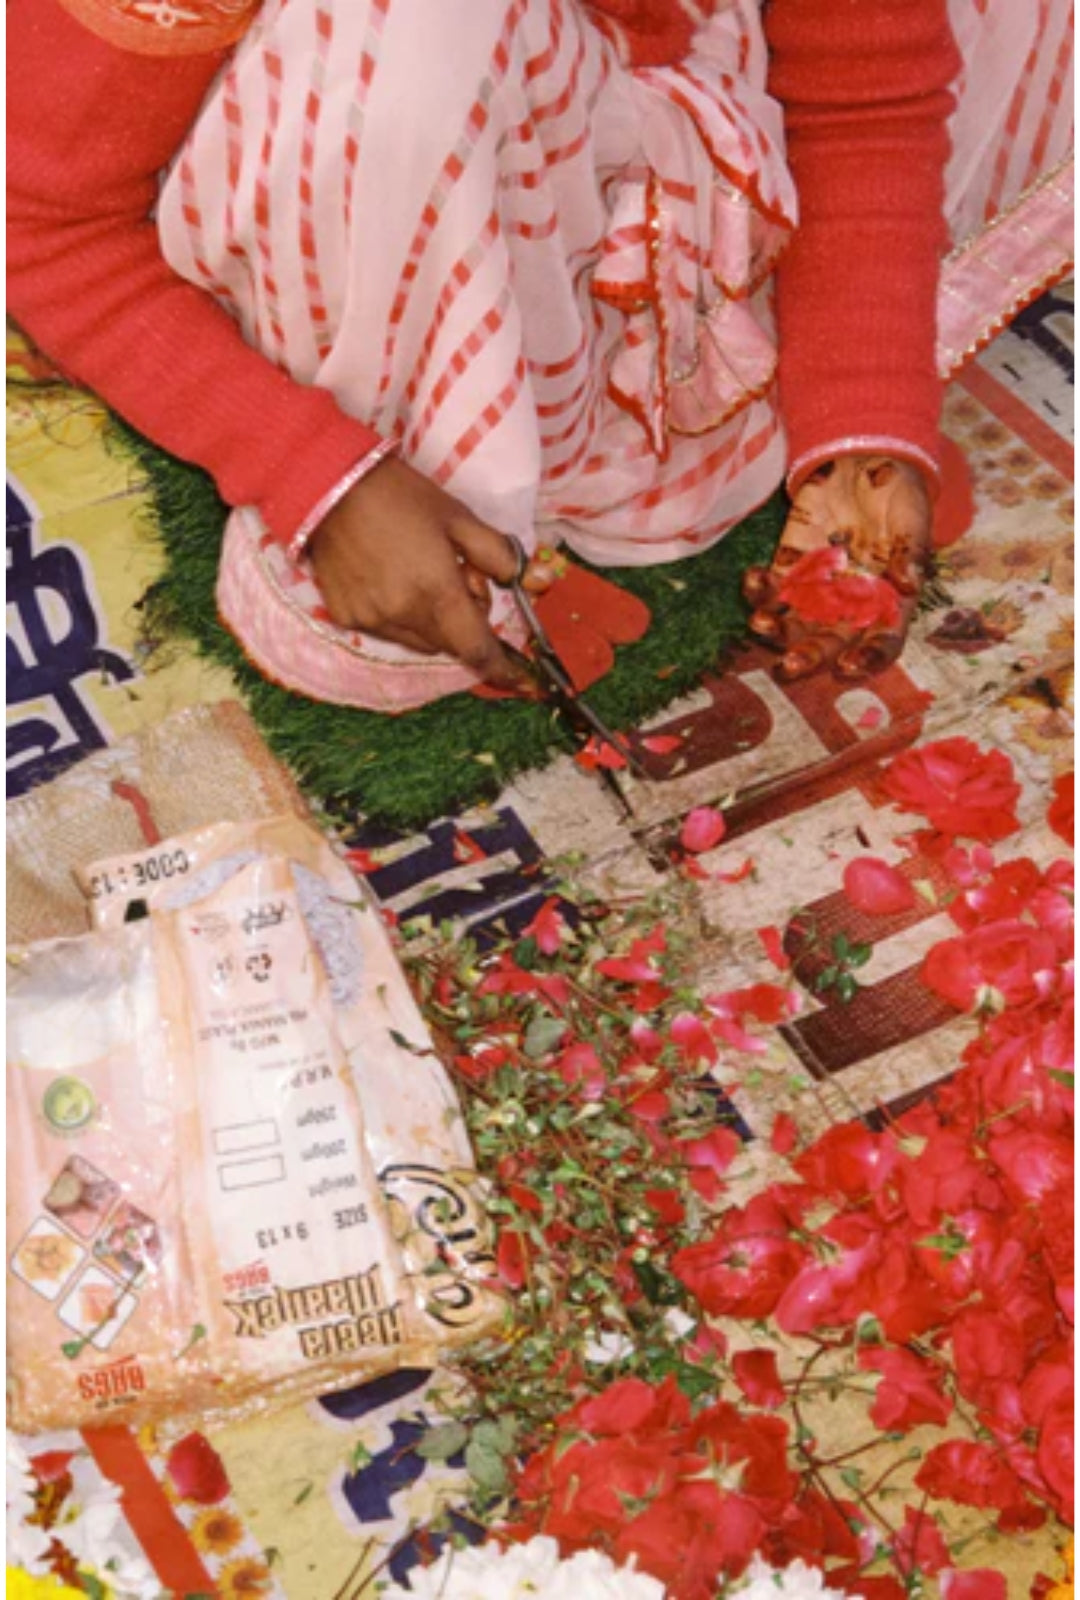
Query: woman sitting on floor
x,y
421,275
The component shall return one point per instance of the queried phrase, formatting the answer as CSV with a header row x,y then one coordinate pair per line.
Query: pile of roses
x,y
934,1255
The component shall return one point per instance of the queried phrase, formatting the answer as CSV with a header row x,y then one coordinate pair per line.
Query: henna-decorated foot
x,y
844,583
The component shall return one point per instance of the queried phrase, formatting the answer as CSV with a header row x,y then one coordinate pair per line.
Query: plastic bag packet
x,y
201,1101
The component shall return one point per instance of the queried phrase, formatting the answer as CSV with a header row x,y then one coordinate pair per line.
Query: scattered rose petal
x,y
693,1037
871,718
975,1584
548,928
773,945
878,889
510,1259
785,1134
661,744
740,874
466,849
919,1546
1060,814
702,830
598,753
197,1471
757,1375
647,1042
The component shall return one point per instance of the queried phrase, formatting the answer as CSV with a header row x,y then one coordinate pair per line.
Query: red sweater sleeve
x,y
90,127
865,86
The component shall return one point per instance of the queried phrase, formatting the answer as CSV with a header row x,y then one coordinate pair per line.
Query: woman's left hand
x,y
877,509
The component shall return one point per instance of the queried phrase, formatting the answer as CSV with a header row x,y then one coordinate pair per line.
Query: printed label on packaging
x,y
288,1180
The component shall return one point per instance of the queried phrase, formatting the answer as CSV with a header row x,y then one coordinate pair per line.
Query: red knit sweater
x,y
90,126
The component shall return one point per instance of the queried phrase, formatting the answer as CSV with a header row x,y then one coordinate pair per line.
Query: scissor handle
x,y
522,557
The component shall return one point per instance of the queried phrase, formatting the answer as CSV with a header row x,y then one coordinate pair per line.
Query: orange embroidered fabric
x,y
166,27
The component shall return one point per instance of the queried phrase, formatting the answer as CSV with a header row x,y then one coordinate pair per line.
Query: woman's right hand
x,y
399,558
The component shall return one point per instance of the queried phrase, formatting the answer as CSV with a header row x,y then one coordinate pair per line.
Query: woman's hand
x,y
399,558
878,509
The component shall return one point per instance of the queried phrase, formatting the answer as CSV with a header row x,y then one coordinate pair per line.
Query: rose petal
x,y
875,887
197,1471
703,828
773,944
975,1584
785,1134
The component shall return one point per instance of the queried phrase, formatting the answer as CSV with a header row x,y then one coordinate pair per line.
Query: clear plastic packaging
x,y
238,1174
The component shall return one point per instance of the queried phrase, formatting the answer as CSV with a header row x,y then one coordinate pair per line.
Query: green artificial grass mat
x,y
407,770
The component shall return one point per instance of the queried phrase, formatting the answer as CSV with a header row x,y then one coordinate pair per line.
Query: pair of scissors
x,y
547,671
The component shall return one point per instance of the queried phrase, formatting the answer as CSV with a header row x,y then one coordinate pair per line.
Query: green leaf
x,y
859,954
542,1035
443,1441
486,1467
659,1288
305,1494
847,987
1067,1079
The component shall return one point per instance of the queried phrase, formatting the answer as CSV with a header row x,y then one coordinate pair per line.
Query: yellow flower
x,y
21,1586
246,1579
1064,1590
216,1531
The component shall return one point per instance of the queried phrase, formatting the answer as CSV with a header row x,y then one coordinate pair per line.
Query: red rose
x,y
944,1178
1015,959
849,1160
911,1391
633,1406
820,587
919,1546
1060,814
596,1482
1052,906
744,1268
759,1443
812,1528
957,788
972,1474
1005,892
688,1539
197,1471
1054,1454
988,1350
1037,1165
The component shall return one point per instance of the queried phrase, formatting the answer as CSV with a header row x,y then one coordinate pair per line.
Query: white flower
x,y
607,1347
797,1582
531,1571
26,1545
